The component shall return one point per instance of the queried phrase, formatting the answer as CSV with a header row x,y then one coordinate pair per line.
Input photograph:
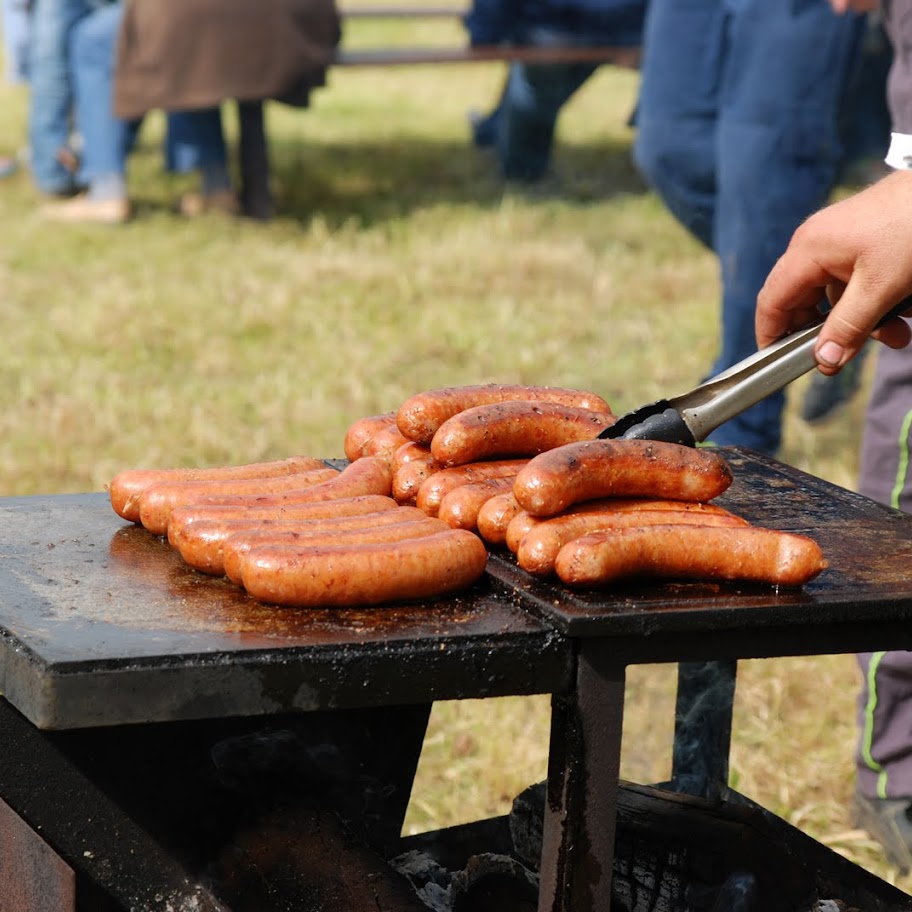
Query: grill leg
x,y
584,767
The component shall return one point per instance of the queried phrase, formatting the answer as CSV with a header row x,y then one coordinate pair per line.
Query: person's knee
x,y
93,41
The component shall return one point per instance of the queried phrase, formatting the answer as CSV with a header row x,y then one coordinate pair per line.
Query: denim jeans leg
x,y
51,92
773,172
107,139
195,140
15,40
532,101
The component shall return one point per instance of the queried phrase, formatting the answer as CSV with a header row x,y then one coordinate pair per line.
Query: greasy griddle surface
x,y
869,549
98,606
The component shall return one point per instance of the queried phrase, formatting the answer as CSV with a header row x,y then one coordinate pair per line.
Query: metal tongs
x,y
693,416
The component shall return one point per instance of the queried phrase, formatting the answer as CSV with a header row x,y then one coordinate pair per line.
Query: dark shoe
x,y
826,395
484,129
888,821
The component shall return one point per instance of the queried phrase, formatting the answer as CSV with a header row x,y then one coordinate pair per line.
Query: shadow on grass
x,y
379,181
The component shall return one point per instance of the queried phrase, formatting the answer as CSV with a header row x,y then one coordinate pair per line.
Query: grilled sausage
x,y
127,486
365,574
459,508
539,547
360,431
408,479
495,516
157,501
576,472
411,452
690,552
201,544
384,443
512,429
368,475
184,518
239,546
522,522
440,483
419,417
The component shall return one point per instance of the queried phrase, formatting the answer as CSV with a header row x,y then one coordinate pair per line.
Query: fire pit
x,y
170,744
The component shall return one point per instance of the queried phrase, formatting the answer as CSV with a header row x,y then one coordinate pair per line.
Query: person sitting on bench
x,y
521,126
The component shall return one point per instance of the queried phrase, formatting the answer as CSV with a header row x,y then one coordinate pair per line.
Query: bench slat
x,y
408,56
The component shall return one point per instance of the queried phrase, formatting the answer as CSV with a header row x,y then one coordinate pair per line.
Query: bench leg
x,y
256,196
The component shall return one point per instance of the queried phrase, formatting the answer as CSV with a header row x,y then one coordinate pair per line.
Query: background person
x,y
741,151
520,128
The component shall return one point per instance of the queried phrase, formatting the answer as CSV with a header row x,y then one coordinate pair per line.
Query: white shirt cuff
x,y
900,153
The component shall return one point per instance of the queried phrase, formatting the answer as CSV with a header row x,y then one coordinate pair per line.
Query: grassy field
x,y
398,262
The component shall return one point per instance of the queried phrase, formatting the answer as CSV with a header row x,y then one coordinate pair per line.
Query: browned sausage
x,y
517,528
539,547
411,452
127,486
690,552
512,429
238,546
384,443
366,574
459,508
438,484
360,431
368,475
184,518
408,479
201,544
421,415
619,468
495,516
157,501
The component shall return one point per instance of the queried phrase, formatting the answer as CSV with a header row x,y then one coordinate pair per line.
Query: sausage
x,y
408,479
338,575
384,443
369,475
419,417
360,431
539,547
440,483
554,480
127,486
184,518
522,522
511,429
411,452
752,554
459,508
495,516
239,546
201,544
157,501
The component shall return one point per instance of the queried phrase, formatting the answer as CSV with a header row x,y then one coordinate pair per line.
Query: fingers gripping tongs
x,y
690,418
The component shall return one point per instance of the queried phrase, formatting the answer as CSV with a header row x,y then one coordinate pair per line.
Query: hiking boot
x,y
888,821
826,395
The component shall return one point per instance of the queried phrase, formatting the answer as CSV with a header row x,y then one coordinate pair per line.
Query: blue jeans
x,y
737,131
521,127
51,99
194,138
15,40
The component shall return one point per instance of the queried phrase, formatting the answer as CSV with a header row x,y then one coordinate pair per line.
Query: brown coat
x,y
185,54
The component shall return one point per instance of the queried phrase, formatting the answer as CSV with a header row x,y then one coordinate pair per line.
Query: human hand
x,y
856,6
856,253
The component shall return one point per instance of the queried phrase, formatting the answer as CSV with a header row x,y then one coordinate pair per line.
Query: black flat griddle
x,y
101,623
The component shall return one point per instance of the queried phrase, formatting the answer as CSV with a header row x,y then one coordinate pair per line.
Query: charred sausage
x,y
438,484
419,417
495,516
512,429
360,431
539,547
127,486
690,552
583,471
459,508
365,574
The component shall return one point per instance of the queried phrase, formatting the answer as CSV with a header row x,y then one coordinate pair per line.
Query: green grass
x,y
399,262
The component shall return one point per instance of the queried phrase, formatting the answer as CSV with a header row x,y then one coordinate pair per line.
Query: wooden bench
x,y
256,195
